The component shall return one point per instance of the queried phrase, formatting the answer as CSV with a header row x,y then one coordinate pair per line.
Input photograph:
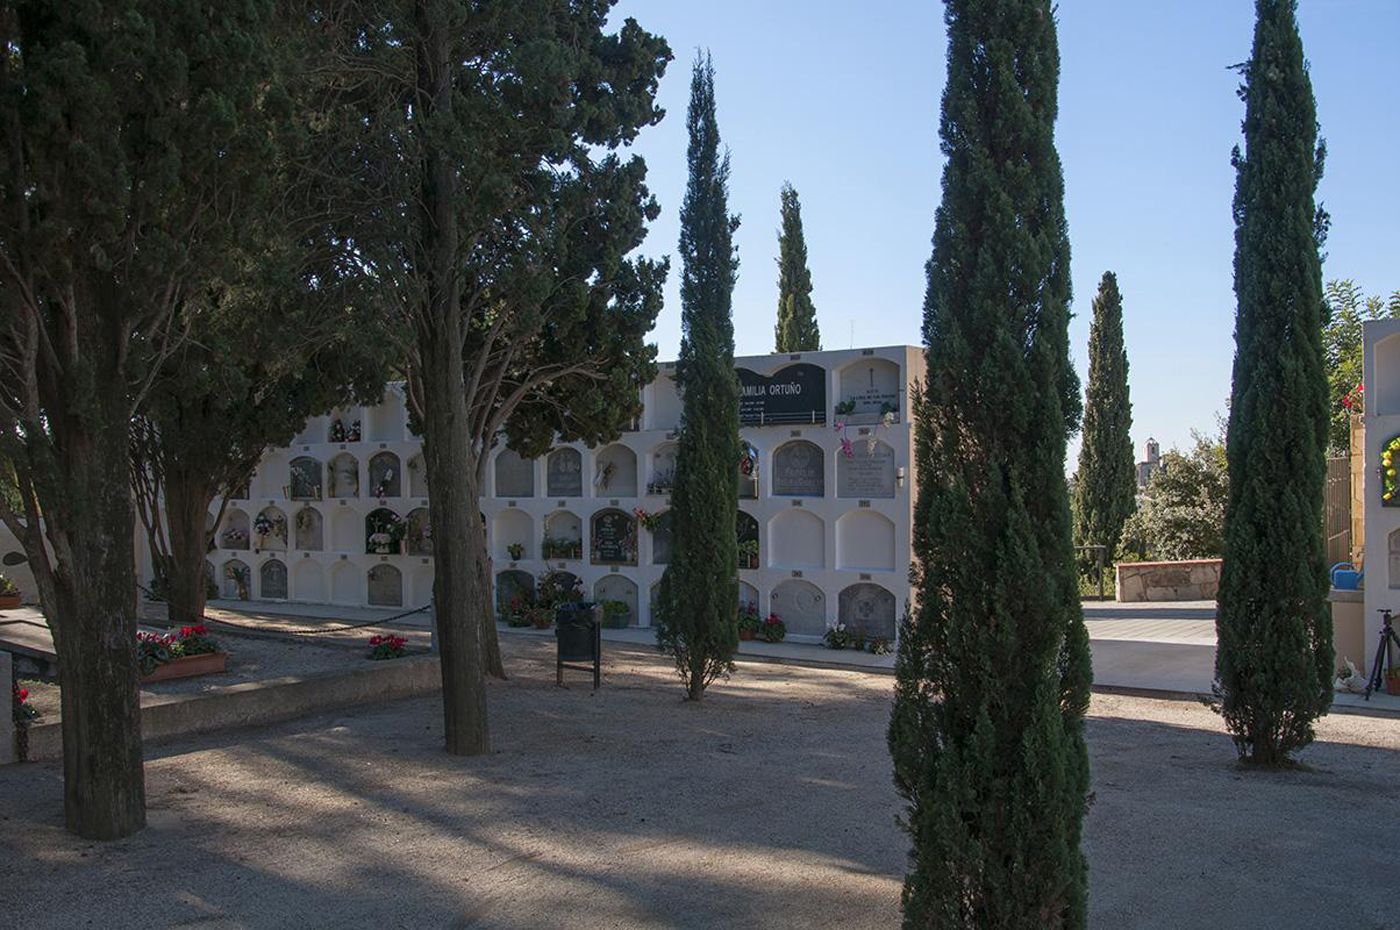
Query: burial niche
x,y
614,538
384,478
661,539
746,528
420,533
270,528
801,607
563,536
385,584
235,580
513,584
344,479
615,472
272,580
799,470
663,469
304,476
417,478
869,608
310,531
617,589
564,473
515,477
868,472
235,534
748,471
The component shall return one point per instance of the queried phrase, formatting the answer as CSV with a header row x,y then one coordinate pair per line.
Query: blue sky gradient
x,y
843,102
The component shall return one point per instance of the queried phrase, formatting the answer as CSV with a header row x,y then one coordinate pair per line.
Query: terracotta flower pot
x,y
747,635
1392,686
210,663
9,601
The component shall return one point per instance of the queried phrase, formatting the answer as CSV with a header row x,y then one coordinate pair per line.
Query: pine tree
x,y
797,329
992,675
699,594
1107,478
1273,663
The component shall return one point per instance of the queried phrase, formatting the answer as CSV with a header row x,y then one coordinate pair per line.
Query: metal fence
x,y
1337,521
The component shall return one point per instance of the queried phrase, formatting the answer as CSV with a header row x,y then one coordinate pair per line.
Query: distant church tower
x,y
1147,468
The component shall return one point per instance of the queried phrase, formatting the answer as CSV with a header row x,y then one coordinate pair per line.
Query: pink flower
x,y
846,448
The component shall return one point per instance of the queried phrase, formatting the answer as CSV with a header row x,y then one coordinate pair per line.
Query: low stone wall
x,y
259,702
1191,580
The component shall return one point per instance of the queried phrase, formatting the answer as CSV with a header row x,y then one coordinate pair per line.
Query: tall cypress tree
x,y
992,675
1273,663
698,602
1107,480
797,329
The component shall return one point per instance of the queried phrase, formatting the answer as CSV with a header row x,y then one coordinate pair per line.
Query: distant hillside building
x,y
1149,467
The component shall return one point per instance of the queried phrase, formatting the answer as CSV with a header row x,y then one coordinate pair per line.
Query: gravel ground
x,y
768,806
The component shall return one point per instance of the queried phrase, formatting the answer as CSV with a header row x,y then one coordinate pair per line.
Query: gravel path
x,y
768,806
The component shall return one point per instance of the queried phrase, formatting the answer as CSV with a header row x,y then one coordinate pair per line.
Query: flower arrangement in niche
x,y
651,522
1390,462
385,531
239,575
233,538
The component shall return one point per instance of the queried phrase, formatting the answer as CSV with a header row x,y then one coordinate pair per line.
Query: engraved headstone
x,y
273,580
799,470
867,473
385,586
801,607
614,538
867,607
564,473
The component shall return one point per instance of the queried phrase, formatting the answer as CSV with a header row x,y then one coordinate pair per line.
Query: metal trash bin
x,y
578,636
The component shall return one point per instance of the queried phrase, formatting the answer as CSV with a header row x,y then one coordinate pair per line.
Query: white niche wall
x,y
865,541
796,540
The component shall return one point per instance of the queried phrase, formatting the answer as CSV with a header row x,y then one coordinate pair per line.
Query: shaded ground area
x,y
769,806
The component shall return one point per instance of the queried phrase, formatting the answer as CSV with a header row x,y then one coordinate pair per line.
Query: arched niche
x,y
304,475
748,596
618,588
308,581
347,533
236,531
868,608
386,419
419,538
867,389
343,472
799,470
653,604
417,477
563,473
512,528
865,541
801,606
308,533
345,584
512,584
746,529
272,580
1385,392
613,538
421,586
661,477
615,471
385,479
868,472
270,529
384,584
1393,545
748,470
515,477
235,581
384,531
560,585
796,539
663,403
662,540
563,536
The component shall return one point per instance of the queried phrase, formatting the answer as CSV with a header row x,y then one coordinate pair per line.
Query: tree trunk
x,y
187,500
458,536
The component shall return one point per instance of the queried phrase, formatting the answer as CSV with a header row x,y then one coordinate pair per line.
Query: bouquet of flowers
x,y
387,646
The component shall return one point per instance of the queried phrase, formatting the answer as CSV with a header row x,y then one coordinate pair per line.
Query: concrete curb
x,y
168,717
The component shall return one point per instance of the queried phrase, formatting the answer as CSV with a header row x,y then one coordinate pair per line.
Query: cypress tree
x,y
797,329
992,673
1274,657
1107,479
699,594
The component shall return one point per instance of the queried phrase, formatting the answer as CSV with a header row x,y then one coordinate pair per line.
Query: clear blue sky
x,y
842,100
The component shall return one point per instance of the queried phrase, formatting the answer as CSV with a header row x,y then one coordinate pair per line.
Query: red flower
x,y
21,694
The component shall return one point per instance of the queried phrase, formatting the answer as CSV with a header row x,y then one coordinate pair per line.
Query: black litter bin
x,y
579,638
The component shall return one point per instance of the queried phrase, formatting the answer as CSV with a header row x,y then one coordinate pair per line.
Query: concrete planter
x,y
210,663
9,602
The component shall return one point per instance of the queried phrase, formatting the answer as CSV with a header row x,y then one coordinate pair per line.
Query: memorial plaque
x,y
795,394
515,477
799,470
868,473
614,538
867,607
310,533
385,586
564,473
800,605
273,580
871,389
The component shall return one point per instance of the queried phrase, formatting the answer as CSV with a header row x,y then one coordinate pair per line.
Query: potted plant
x,y
615,614
748,554
845,408
190,652
773,629
9,594
880,646
749,624
838,637
387,646
516,551
541,618
1392,680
